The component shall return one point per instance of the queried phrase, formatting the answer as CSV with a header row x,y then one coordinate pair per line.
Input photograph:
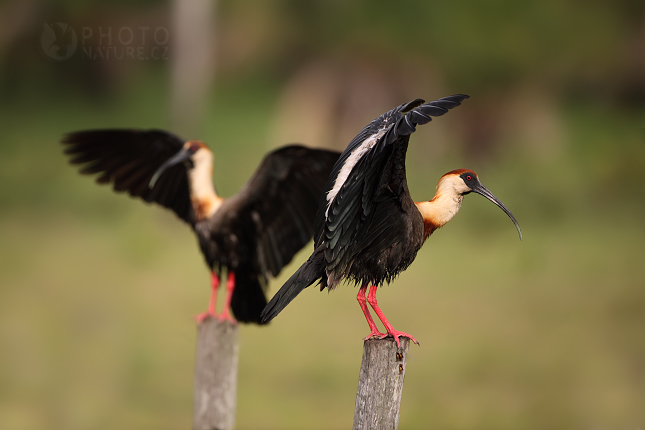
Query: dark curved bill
x,y
480,189
183,155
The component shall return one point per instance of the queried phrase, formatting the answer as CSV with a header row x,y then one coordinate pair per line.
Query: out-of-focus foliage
x,y
481,45
97,290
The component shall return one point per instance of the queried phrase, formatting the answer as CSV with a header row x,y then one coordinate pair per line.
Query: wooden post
x,y
192,58
380,384
215,375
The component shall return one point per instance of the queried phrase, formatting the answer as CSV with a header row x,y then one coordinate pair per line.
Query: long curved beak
x,y
183,155
480,189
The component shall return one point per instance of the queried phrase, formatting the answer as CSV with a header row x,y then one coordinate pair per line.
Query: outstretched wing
x,y
282,196
128,159
369,172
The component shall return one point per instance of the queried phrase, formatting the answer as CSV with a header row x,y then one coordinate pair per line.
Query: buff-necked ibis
x,y
368,229
251,235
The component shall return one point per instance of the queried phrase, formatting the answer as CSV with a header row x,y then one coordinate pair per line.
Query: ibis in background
x,y
368,229
251,235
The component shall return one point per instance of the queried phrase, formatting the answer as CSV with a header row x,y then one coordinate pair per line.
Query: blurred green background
x,y
98,290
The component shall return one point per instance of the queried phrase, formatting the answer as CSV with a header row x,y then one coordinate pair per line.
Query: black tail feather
x,y
248,297
308,273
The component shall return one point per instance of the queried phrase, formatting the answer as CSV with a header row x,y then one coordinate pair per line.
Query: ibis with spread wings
x,y
368,229
250,236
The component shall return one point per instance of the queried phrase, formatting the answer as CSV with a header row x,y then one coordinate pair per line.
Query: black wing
x,y
376,176
128,159
282,196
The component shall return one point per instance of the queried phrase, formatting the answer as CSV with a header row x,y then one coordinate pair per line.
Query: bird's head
x,y
461,182
194,153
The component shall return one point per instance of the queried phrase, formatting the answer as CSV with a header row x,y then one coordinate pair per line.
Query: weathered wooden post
x,y
215,375
380,384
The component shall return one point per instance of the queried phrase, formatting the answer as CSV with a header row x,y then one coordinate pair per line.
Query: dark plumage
x,y
367,227
252,235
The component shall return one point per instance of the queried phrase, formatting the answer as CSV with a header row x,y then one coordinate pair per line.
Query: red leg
x,y
211,303
363,302
371,299
230,286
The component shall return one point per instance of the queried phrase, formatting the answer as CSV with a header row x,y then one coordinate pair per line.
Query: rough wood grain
x,y
215,375
380,384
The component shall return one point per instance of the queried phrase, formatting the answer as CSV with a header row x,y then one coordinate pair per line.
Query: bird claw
x,y
376,334
226,316
396,334
200,318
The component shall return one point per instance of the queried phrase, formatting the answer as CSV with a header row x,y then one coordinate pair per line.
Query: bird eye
x,y
468,178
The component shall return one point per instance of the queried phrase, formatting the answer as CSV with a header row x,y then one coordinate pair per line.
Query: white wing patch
x,y
349,165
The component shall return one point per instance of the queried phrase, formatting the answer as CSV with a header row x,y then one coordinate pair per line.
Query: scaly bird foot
x,y
376,334
200,318
226,316
396,334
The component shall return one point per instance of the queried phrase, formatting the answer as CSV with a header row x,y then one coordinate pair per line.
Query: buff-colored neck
x,y
444,205
202,192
